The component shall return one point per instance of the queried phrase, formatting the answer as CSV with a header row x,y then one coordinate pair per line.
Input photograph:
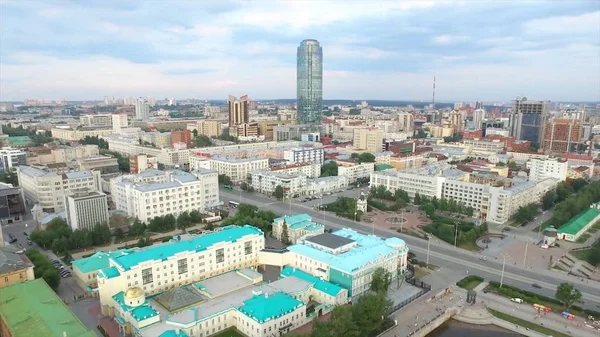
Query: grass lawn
x,y
585,254
469,246
594,228
583,238
230,333
420,272
527,324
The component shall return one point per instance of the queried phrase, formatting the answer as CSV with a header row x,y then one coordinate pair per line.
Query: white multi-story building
x,y
48,189
64,154
170,158
238,169
266,182
484,145
119,122
348,258
549,168
505,202
354,171
304,155
310,170
326,185
86,209
80,133
423,180
155,193
142,109
478,118
11,158
96,120
522,158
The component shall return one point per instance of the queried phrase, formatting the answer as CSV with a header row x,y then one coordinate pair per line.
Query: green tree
x,y
284,234
568,295
137,228
224,180
195,133
563,191
9,178
101,234
278,193
184,220
329,169
578,184
417,199
512,165
548,200
144,241
119,234
342,322
381,280
420,134
195,216
526,213
118,221
52,278
244,186
366,157
368,312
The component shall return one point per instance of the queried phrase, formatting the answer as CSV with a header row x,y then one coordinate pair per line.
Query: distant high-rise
x,y
478,118
238,111
527,119
142,109
309,82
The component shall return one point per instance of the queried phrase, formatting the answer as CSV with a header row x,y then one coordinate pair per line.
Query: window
x,y
182,266
220,256
147,276
248,247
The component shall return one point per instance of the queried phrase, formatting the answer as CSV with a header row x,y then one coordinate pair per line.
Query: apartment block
x,y
96,120
353,171
62,154
141,162
208,128
48,189
562,135
549,168
527,119
304,155
86,209
319,186
238,169
11,158
310,170
370,140
155,193
104,164
266,182
80,133
238,110
181,136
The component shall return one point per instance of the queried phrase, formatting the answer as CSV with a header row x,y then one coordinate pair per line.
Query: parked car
x,y
25,233
535,285
29,242
12,240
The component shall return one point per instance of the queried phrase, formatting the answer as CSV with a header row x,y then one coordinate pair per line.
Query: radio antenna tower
x,y
435,115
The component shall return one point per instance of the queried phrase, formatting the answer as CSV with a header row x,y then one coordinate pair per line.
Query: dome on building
x,y
134,292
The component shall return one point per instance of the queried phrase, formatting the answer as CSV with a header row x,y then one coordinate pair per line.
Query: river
x,y
454,328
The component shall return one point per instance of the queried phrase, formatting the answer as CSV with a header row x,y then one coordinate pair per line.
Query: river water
x,y
454,328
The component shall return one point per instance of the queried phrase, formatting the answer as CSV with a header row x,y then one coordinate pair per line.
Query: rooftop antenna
x,y
433,104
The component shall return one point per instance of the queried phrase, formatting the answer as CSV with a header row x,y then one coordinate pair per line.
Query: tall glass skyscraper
x,y
309,77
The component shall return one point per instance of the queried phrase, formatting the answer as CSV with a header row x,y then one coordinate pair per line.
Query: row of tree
x,y
95,140
59,237
43,268
562,192
364,157
344,207
575,203
449,231
329,169
526,213
429,206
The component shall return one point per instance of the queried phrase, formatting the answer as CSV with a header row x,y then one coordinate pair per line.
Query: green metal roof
x,y
265,307
321,285
577,223
18,140
32,308
383,167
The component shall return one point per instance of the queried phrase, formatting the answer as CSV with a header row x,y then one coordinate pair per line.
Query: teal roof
x,y
173,333
266,307
110,272
321,285
368,249
383,167
139,313
98,261
576,224
291,219
18,140
201,243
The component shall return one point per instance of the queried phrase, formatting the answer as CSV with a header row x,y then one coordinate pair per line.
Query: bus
x,y
234,204
540,307
227,187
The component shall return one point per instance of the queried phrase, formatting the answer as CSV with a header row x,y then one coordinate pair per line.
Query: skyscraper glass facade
x,y
309,76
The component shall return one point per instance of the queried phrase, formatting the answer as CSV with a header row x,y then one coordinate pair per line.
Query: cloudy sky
x,y
477,49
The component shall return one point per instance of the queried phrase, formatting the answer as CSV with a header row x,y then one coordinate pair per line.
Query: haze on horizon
x,y
478,50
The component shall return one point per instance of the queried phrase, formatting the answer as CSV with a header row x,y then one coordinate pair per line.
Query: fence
x,y
425,288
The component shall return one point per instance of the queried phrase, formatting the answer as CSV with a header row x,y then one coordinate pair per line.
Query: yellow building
x,y
208,128
370,140
14,267
79,133
441,131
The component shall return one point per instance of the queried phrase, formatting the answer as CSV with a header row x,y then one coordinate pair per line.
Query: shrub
x,y
471,278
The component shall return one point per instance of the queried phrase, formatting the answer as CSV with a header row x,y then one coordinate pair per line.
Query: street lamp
x,y
502,275
428,242
525,255
455,232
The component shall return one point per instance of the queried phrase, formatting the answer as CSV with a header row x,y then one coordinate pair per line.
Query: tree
x,y
118,221
420,134
417,199
512,165
278,193
137,228
381,280
526,213
284,234
9,178
366,157
195,216
119,234
144,241
244,186
224,180
369,310
184,220
52,278
548,200
329,169
568,295
578,184
342,322
101,234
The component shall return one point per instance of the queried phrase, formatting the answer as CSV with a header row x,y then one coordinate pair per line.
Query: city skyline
x,y
483,51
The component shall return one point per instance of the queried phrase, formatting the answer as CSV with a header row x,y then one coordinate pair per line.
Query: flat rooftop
x,y
329,240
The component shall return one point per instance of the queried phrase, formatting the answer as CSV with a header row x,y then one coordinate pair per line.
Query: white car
x,y
517,300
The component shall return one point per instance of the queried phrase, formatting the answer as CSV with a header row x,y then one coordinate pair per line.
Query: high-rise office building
x,y
527,119
309,77
478,118
142,109
238,110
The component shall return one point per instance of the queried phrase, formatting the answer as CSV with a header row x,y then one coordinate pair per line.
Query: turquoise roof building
x,y
296,226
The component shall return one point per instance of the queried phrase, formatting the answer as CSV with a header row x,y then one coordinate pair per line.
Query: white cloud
x,y
362,52
449,39
565,25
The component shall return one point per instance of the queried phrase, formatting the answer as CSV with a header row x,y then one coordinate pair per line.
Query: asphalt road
x,y
441,255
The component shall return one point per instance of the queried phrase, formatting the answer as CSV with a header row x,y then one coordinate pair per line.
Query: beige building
x,y
239,112
48,189
407,122
96,120
14,267
441,131
63,154
158,139
208,128
456,121
79,133
370,140
104,164
354,171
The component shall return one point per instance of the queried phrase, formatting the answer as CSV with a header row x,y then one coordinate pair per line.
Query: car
x,y
12,240
29,242
25,233
483,258
65,275
61,267
516,300
535,285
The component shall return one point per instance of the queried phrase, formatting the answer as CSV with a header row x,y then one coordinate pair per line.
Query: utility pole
x,y
428,242
525,256
502,275
455,233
